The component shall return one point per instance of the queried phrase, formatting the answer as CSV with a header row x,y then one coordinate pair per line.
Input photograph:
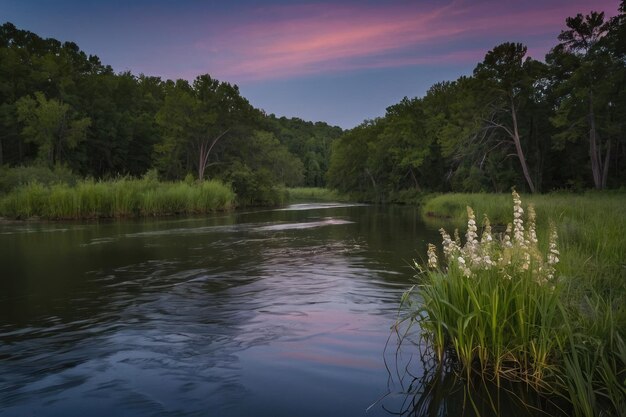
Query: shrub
x,y
13,178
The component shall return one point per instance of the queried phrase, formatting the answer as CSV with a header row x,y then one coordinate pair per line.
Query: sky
x,y
341,61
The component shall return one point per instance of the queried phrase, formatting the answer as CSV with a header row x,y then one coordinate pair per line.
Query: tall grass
x,y
591,228
504,310
123,197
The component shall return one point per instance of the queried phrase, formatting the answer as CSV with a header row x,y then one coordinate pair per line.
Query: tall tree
x,y
509,76
585,88
349,170
51,125
195,118
409,146
311,142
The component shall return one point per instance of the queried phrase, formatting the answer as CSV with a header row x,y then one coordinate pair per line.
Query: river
x,y
280,312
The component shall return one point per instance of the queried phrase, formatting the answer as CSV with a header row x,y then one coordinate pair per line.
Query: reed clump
x,y
498,304
123,197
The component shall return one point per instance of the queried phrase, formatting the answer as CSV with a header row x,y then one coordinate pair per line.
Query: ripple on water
x,y
213,318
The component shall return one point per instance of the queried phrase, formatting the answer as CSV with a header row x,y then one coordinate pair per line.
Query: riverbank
x,y
124,197
127,197
545,306
591,229
308,194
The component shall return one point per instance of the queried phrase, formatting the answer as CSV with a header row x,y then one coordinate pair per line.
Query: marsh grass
x,y
504,309
123,197
591,229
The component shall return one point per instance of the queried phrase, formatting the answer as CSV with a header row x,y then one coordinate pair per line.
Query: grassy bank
x,y
314,194
591,229
89,199
536,304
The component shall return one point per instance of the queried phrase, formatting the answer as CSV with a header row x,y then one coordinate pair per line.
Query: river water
x,y
263,313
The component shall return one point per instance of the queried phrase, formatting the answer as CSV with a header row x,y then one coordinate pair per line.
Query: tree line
x,y
62,107
516,121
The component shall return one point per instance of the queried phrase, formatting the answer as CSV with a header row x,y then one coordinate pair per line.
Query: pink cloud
x,y
299,40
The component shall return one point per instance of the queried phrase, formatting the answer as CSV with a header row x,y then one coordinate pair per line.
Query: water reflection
x,y
265,313
261,313
428,388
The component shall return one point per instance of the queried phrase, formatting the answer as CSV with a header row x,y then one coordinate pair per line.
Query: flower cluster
x,y
553,252
432,256
516,250
518,223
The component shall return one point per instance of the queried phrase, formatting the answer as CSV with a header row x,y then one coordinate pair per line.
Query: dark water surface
x,y
268,313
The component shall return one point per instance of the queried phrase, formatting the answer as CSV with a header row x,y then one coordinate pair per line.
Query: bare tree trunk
x,y
417,186
369,174
201,158
518,148
205,151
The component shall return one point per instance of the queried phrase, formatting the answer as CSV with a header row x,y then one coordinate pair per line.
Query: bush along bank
x,y
124,197
499,306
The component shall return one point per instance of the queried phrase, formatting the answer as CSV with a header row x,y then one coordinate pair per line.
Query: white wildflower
x,y
472,235
487,261
450,247
486,237
553,251
463,267
532,234
432,256
471,247
518,223
526,260
507,236
516,251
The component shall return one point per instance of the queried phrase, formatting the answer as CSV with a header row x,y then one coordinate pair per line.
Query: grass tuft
x,y
515,306
124,197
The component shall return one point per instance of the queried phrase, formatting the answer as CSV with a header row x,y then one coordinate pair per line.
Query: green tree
x,y
51,125
193,119
409,144
509,77
349,170
310,142
589,78
472,156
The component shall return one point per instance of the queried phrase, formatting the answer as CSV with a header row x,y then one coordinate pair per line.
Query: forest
x,y
516,121
65,115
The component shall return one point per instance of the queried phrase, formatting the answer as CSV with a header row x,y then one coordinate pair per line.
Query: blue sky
x,y
341,61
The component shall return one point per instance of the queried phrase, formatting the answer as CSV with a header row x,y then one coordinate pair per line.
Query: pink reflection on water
x,y
335,338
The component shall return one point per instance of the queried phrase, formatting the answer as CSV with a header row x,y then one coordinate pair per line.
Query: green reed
x,y
591,229
123,197
511,305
